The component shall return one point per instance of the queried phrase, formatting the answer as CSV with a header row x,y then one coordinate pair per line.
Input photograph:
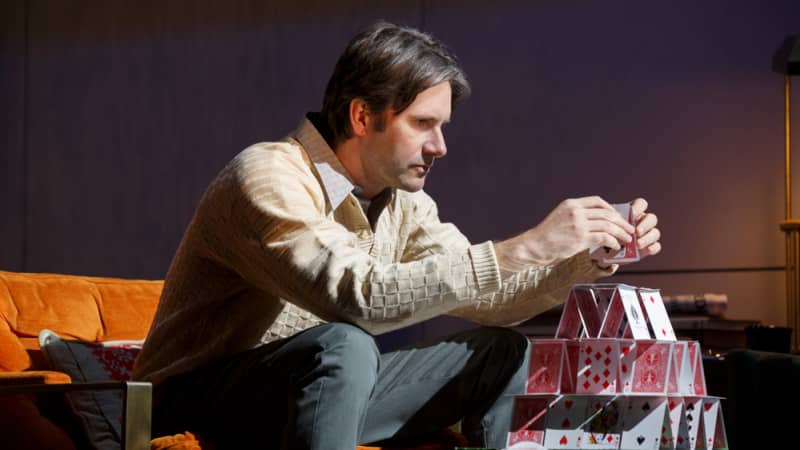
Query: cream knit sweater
x,y
278,244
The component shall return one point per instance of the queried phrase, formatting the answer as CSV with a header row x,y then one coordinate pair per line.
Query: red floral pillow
x,y
100,412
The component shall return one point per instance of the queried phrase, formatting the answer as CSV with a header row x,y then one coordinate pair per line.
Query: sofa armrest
x,y
33,377
137,405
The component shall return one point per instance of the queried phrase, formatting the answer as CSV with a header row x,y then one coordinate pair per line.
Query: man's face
x,y
402,154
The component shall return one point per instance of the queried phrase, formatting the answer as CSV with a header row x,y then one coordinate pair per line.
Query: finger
x,y
612,217
646,223
603,239
650,238
639,206
593,201
653,249
610,228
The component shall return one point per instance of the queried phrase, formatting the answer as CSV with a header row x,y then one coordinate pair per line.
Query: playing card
x,y
627,357
633,313
587,307
692,415
674,434
614,314
565,420
629,252
605,424
681,375
657,314
546,364
642,422
696,364
570,323
651,367
598,362
569,379
528,420
710,414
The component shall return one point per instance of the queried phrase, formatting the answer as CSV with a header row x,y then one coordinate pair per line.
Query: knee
x,y
350,351
506,342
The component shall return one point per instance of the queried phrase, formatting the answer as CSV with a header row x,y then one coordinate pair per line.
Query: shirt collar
x,y
334,177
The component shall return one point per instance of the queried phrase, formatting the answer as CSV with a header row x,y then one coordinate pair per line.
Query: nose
x,y
435,145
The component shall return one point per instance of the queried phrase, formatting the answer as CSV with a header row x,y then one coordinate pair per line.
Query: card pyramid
x,y
615,377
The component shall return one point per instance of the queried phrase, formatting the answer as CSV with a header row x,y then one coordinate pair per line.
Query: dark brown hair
x,y
387,65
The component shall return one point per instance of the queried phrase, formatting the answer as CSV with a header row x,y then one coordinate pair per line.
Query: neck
x,y
349,155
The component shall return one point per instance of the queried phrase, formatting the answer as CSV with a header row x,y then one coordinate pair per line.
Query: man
x,y
301,250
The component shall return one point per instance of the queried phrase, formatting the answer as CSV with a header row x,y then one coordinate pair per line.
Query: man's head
x,y
386,66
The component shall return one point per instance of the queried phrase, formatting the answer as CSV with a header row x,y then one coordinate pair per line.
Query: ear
x,y
359,117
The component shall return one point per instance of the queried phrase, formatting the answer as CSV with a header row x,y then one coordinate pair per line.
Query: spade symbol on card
x,y
690,407
565,423
646,406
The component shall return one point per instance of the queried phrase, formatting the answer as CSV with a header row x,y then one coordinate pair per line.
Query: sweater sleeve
x,y
265,218
521,295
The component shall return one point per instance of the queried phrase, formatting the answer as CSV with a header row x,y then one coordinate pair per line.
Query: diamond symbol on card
x,y
624,368
680,439
672,405
663,441
586,385
588,361
626,350
597,356
596,378
664,332
652,300
608,349
606,373
605,385
589,350
609,438
607,362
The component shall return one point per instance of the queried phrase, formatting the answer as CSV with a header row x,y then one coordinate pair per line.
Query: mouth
x,y
423,167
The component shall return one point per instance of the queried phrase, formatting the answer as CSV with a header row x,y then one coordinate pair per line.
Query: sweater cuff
x,y
485,267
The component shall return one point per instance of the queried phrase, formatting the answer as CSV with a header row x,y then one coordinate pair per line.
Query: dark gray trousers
x,y
330,388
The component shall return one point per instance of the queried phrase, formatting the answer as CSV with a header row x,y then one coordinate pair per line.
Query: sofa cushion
x,y
77,307
100,412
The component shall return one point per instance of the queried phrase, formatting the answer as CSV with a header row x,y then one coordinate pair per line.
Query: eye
x,y
423,122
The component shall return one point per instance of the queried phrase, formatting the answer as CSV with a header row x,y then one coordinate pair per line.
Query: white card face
x,y
528,420
678,433
693,407
564,422
642,422
598,361
633,313
710,413
657,314
627,357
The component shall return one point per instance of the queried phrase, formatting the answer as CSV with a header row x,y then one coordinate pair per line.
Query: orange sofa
x,y
102,318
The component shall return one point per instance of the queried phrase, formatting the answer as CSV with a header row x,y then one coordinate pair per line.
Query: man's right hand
x,y
573,226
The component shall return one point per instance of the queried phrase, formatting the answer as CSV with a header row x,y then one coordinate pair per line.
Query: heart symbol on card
x,y
565,423
707,406
640,439
563,440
